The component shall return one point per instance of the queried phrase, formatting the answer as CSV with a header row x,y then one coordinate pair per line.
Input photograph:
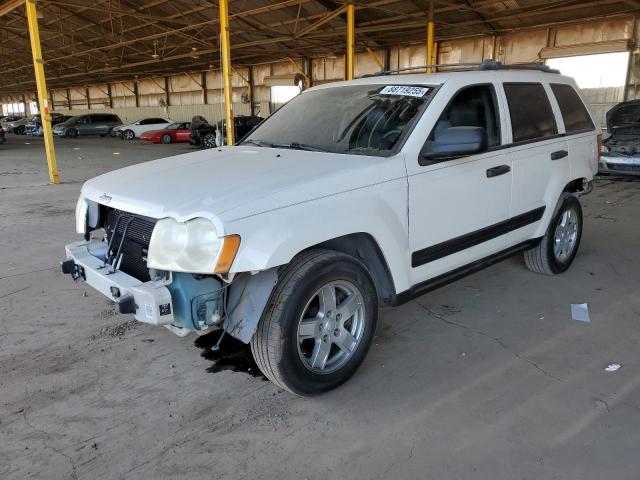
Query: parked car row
x,y
198,132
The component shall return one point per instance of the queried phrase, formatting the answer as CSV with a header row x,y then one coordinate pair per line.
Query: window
x,y
352,119
282,94
531,114
155,121
84,120
575,115
472,107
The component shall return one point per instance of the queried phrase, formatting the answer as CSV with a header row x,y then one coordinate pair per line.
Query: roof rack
x,y
469,66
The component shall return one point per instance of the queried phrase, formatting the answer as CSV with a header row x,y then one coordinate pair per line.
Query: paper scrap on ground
x,y
613,367
580,312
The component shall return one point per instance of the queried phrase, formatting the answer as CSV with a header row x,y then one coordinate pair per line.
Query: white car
x,y
352,195
134,130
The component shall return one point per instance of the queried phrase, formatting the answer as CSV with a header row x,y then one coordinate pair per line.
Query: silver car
x,y
621,150
89,124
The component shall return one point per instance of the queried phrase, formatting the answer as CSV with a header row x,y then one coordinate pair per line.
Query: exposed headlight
x,y
81,215
192,246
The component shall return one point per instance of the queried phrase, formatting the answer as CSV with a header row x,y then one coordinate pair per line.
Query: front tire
x,y
559,246
128,135
72,133
166,138
319,323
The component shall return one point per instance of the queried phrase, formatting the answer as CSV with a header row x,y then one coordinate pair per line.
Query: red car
x,y
174,133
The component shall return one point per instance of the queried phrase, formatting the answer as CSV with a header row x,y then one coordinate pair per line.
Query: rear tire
x,y
166,139
559,246
209,140
319,323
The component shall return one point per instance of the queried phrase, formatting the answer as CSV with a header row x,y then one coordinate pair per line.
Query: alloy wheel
x,y
566,235
331,327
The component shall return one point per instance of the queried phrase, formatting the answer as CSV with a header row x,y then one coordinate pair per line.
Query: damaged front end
x,y
115,262
621,150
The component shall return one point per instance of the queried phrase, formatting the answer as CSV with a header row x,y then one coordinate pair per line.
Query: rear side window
x,y
530,110
574,113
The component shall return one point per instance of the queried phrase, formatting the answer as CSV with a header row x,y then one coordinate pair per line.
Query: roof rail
x,y
469,66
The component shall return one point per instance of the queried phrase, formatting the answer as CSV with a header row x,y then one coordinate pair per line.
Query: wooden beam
x,y
9,6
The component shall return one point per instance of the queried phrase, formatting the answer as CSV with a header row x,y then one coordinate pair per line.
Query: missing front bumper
x,y
150,302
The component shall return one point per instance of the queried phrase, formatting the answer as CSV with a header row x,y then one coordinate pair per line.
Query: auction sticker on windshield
x,y
404,90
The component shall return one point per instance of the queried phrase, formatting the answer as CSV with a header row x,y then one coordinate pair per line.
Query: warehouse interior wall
x,y
181,96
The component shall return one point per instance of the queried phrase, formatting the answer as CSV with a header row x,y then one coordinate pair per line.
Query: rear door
x,y
459,207
100,125
539,153
153,124
580,130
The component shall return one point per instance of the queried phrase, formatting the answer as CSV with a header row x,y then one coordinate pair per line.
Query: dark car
x,y
2,139
90,124
206,135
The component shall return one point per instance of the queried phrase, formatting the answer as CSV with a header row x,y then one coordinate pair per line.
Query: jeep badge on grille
x,y
104,198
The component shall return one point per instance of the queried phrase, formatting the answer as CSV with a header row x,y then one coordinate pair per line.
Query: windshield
x,y
365,119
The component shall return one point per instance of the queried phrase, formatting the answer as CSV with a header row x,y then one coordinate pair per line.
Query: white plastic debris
x,y
580,312
613,367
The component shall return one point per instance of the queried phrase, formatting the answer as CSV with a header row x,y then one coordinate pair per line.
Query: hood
x,y
624,118
234,182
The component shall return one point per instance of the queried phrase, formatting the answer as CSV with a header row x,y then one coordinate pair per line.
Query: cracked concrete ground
x,y
487,378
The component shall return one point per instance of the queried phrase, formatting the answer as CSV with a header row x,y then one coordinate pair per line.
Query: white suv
x,y
351,195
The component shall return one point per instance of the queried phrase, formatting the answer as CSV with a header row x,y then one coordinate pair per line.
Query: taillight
x,y
600,148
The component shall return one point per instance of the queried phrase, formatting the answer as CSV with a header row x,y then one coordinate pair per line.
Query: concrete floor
x,y
487,378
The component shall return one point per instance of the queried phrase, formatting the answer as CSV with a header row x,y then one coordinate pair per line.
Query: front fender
x,y
273,238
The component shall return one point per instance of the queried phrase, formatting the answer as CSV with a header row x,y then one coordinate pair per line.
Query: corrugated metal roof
x,y
89,41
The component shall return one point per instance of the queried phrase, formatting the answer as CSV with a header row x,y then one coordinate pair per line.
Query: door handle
x,y
499,170
559,154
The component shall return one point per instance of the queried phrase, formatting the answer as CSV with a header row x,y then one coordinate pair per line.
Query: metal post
x,y
430,35
351,40
38,66
225,48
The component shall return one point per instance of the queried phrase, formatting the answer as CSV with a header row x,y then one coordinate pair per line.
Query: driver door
x,y
459,207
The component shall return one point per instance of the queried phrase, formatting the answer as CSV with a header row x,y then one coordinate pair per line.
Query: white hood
x,y
235,182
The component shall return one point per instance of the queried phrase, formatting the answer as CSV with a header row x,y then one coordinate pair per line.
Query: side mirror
x,y
455,142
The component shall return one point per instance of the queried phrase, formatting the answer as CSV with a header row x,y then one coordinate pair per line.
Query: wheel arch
x,y
365,248
580,186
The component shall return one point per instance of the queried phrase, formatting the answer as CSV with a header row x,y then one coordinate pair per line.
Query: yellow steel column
x,y
351,40
430,42
226,69
38,66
